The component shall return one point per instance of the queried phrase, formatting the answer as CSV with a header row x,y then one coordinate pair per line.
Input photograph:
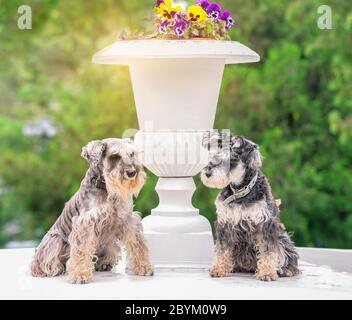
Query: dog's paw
x,y
289,272
216,272
104,267
267,276
37,273
80,278
143,270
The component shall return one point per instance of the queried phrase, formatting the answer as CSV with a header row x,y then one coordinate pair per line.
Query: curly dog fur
x,y
250,236
98,219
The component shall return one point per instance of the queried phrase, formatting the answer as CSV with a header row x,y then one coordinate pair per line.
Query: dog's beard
x,y
117,184
218,180
135,185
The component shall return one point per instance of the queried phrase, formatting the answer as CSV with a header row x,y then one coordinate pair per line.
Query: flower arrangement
x,y
204,19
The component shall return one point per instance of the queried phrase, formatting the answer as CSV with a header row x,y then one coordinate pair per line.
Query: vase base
x,y
181,251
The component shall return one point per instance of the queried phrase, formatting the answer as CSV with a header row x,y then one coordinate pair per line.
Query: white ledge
x,y
316,282
123,52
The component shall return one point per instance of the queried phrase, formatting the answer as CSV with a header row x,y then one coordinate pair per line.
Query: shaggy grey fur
x,y
98,219
249,233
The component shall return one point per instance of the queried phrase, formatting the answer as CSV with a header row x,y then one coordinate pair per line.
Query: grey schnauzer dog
x,y
250,236
98,219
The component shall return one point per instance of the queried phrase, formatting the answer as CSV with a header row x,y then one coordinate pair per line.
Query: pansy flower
x,y
167,10
162,28
177,16
203,3
226,16
203,19
180,27
214,11
196,14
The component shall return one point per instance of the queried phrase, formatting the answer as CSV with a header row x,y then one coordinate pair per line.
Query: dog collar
x,y
240,193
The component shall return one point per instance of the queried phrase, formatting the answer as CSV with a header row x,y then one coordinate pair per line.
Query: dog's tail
x,y
50,257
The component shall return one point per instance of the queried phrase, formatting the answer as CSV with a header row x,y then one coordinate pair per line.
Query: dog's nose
x,y
208,174
131,173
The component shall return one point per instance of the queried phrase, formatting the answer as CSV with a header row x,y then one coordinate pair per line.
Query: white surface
x,y
314,283
177,234
173,94
123,52
338,259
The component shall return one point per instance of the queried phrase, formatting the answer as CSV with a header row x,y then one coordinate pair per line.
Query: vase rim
x,y
126,52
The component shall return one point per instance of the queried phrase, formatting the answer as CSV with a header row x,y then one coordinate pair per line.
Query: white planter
x,y
176,85
188,92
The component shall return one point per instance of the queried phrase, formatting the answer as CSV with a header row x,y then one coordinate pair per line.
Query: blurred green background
x,y
296,104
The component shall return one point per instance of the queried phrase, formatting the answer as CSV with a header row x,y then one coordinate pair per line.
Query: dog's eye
x,y
237,144
115,157
132,154
215,162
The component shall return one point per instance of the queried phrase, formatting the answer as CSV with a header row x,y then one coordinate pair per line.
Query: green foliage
x,y
296,104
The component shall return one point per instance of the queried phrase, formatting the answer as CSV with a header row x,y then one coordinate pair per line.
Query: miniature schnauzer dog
x,y
98,219
250,236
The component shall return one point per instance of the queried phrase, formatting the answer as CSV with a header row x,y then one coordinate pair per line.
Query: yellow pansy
x,y
197,14
167,10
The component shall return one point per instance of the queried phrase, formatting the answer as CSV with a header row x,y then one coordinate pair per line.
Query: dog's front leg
x,y
109,256
83,244
223,262
137,249
268,259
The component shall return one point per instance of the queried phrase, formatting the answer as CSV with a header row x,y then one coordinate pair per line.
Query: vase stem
x,y
177,234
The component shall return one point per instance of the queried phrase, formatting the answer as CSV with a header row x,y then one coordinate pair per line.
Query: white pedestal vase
x,y
178,235
176,86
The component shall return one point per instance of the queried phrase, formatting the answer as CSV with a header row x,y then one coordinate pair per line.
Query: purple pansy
x,y
162,27
180,27
214,11
226,16
159,2
175,16
203,3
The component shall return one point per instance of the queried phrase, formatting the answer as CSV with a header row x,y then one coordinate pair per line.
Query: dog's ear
x,y
255,159
237,142
93,152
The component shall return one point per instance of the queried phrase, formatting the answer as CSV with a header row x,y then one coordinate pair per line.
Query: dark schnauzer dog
x,y
250,236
